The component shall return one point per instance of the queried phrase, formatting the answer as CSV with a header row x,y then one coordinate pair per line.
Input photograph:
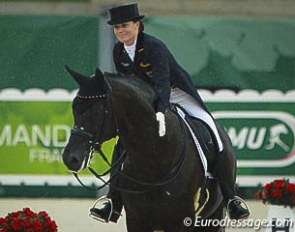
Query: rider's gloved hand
x,y
160,117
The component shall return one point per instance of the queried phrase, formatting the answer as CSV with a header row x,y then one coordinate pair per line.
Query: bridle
x,y
95,143
94,140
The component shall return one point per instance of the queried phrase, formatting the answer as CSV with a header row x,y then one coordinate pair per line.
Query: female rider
x,y
138,54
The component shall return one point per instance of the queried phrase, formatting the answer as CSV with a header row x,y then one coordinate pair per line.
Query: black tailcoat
x,y
154,63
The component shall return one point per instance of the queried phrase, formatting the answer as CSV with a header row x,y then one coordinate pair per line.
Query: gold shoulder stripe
x,y
143,65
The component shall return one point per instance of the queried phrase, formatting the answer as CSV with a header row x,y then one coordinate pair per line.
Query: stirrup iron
x,y
106,200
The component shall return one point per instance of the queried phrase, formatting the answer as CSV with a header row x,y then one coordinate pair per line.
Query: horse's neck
x,y
138,131
134,114
133,118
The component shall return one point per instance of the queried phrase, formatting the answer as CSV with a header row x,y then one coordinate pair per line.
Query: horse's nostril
x,y
74,161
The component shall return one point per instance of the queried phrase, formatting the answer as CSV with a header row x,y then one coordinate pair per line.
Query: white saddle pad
x,y
197,143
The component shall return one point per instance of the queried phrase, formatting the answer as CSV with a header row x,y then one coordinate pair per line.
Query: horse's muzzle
x,y
76,161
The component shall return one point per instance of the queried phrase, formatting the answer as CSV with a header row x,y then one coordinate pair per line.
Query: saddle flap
x,y
202,137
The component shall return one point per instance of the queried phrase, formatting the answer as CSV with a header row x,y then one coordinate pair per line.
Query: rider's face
x,y
126,32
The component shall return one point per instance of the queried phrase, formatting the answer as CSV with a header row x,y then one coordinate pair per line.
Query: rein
x,y
95,145
173,174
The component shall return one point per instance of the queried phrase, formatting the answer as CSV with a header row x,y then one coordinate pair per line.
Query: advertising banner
x,y
34,129
262,130
35,126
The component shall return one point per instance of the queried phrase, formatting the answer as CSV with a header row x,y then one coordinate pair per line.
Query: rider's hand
x,y
160,117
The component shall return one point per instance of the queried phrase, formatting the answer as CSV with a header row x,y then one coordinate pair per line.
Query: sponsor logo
x,y
262,138
44,143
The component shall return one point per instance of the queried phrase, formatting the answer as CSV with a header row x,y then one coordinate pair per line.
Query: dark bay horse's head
x,y
93,119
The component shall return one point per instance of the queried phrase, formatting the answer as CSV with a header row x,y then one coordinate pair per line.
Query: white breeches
x,y
194,109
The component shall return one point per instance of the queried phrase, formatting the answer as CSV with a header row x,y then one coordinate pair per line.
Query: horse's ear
x,y
102,78
79,78
98,73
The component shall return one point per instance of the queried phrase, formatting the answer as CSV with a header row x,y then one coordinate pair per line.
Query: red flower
x,y
2,221
278,192
53,226
268,186
14,214
16,225
279,183
28,212
37,226
27,221
42,214
290,187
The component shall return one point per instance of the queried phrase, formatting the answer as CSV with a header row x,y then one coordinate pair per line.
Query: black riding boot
x,y
223,166
236,207
112,208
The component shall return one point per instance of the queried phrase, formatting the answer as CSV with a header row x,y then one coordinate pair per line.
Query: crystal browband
x,y
92,97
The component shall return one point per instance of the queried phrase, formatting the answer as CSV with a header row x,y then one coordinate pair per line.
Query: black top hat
x,y
125,13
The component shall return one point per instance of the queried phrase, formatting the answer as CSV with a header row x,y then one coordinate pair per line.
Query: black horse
x,y
162,182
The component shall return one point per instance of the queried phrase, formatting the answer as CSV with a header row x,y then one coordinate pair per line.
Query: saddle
x,y
204,136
